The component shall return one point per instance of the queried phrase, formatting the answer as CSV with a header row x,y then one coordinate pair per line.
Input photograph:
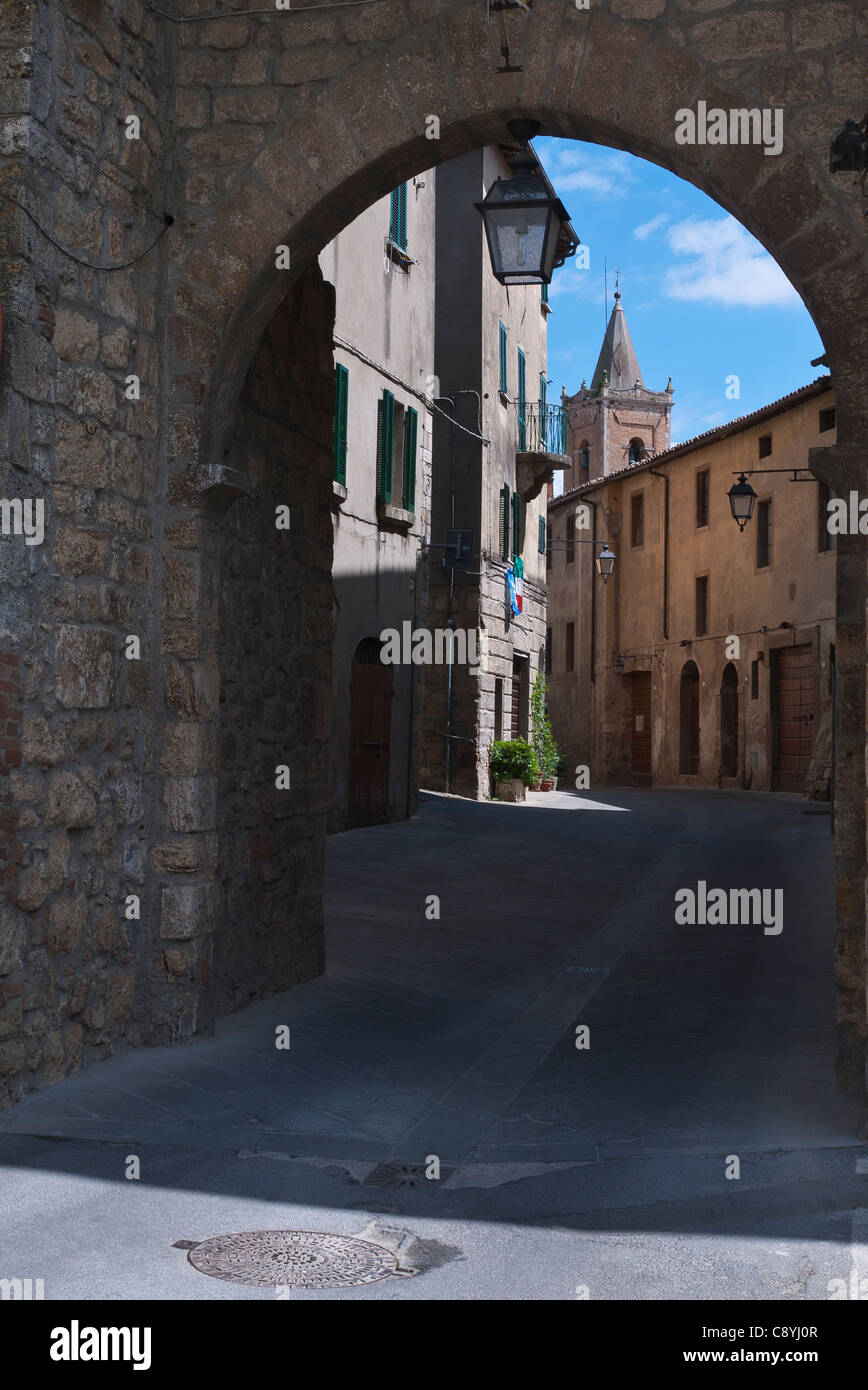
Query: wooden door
x,y
689,731
794,716
640,734
517,725
370,736
729,723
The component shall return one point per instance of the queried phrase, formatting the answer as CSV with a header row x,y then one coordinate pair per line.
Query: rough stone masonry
x,y
153,874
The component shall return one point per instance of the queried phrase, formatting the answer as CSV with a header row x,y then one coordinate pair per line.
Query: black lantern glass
x,y
523,219
605,564
742,500
849,150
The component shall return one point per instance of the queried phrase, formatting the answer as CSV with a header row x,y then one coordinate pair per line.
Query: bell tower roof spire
x,y
617,355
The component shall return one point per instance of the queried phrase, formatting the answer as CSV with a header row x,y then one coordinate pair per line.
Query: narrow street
x,y
601,1170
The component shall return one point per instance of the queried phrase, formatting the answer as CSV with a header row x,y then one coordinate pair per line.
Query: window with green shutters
x,y
541,543
411,425
385,445
342,387
398,217
544,293
522,403
504,522
503,376
516,523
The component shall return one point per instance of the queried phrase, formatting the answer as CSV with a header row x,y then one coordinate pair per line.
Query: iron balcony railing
x,y
542,428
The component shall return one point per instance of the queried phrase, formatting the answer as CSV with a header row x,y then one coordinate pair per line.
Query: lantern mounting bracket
x,y
749,472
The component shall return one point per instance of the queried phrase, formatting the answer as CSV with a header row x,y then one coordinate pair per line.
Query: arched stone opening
x,y
689,723
729,739
784,204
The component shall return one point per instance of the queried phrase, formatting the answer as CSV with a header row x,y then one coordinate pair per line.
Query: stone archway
x,y
262,133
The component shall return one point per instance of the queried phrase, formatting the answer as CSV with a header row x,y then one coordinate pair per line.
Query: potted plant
x,y
546,749
514,768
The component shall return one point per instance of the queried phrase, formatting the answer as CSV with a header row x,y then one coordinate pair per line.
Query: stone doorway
x,y
729,725
370,735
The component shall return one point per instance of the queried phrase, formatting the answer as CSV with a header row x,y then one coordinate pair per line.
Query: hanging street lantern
x,y
742,500
526,224
605,564
849,149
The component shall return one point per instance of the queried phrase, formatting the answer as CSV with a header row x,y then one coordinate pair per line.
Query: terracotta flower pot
x,y
546,785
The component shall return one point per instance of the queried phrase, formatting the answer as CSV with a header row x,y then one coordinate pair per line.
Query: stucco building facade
x,y
709,657
490,471
383,269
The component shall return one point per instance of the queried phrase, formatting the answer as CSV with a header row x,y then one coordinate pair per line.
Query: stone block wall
x,y
72,963
273,635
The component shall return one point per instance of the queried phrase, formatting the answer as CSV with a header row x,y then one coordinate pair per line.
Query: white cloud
x,y
724,265
599,174
646,229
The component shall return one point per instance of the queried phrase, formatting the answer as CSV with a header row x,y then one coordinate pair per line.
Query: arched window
x,y
637,450
688,740
729,722
585,456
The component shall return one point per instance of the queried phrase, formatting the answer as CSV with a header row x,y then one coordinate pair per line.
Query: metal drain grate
x,y
305,1259
403,1175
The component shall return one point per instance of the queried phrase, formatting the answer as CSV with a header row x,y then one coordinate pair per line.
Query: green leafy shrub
x,y
547,752
511,758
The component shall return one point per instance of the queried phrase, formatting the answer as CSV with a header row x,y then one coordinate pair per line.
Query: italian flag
x,y
518,568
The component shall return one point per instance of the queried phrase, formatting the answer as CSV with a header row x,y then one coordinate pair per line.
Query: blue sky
x,y
703,299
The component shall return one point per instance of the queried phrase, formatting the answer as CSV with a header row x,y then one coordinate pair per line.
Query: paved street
x,y
602,1167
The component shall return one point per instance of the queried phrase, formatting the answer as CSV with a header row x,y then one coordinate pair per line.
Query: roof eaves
x,y
813,388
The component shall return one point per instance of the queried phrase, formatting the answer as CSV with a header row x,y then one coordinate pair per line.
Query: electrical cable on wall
x,y
405,385
168,221
231,12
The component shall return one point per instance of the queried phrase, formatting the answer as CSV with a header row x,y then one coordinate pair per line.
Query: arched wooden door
x,y
688,743
370,735
729,722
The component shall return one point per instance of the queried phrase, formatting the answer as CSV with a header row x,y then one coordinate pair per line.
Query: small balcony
x,y
541,446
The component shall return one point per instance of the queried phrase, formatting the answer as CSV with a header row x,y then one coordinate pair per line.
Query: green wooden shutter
x,y
503,381
342,386
544,293
385,441
516,523
504,522
398,217
410,432
522,410
541,544
543,430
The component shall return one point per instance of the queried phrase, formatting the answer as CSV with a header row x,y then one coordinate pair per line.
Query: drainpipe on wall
x,y
593,589
665,477
449,619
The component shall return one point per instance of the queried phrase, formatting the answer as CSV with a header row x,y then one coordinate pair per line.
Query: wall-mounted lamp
x,y
742,500
605,564
526,224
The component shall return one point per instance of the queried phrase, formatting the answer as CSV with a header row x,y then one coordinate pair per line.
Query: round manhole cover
x,y
309,1259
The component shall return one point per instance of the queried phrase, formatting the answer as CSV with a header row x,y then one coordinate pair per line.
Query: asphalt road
x,y
603,1170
